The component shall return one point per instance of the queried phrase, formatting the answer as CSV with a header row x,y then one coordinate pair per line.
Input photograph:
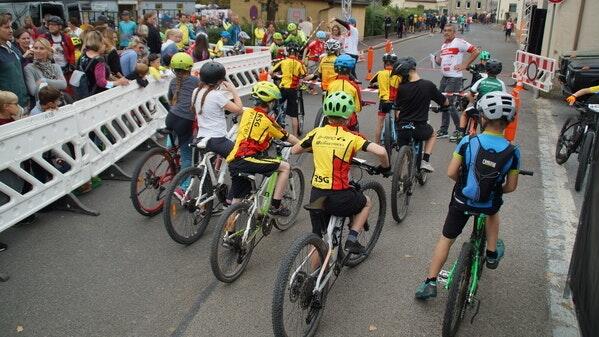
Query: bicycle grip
x,y
526,173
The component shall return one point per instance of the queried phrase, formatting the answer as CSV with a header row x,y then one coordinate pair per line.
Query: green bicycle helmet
x,y
291,27
182,61
265,91
338,104
277,36
484,55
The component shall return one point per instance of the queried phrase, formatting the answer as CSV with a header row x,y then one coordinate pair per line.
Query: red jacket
x,y
67,46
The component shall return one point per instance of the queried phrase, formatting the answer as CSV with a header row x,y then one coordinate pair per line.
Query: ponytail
x,y
208,88
181,76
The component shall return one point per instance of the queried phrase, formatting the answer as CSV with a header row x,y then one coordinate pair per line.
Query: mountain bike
x,y
312,265
577,136
406,171
389,133
152,174
282,107
243,225
321,119
190,198
463,278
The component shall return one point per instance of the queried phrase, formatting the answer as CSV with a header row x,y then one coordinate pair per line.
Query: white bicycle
x,y
189,201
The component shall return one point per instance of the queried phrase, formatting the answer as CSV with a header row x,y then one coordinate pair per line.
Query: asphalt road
x,y
119,274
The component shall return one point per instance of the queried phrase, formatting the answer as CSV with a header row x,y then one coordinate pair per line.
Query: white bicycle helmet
x,y
332,46
243,35
496,105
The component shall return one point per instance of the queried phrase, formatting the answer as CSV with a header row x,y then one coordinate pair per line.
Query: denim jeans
x,y
450,84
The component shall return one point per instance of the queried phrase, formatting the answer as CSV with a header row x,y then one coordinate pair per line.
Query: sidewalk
x,y
378,41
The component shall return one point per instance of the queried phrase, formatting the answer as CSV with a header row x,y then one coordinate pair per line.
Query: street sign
x,y
253,12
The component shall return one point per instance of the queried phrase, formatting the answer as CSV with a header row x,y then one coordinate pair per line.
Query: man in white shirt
x,y
451,60
306,26
350,45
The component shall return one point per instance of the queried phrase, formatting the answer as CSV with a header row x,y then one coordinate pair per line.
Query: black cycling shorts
x,y
422,131
241,186
290,95
457,217
343,203
385,108
220,145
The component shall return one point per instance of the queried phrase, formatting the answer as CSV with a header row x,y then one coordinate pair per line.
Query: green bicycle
x,y
463,277
248,221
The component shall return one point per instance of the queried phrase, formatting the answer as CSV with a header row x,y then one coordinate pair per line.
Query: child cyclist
x,y
292,70
479,68
219,47
277,47
180,118
480,184
326,67
256,130
387,84
333,147
343,66
313,52
483,86
582,92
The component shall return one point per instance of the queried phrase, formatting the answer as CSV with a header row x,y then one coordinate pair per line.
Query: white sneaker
x,y
424,165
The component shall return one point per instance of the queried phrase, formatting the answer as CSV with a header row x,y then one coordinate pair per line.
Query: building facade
x,y
436,5
472,6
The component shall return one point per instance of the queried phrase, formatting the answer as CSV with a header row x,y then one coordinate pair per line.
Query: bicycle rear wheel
x,y
584,157
301,112
388,135
229,258
458,292
296,310
292,199
566,140
153,172
374,225
401,184
185,222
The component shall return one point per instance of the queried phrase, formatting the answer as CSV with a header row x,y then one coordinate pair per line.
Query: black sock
x,y
276,203
430,279
491,254
426,157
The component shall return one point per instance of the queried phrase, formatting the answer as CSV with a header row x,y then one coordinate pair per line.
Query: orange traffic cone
x,y
388,46
512,128
263,75
370,63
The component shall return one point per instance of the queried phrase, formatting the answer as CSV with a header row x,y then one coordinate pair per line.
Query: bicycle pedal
x,y
443,277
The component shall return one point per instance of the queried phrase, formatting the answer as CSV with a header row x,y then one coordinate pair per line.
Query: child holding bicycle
x,y
387,85
249,154
484,167
326,67
292,70
480,88
343,66
333,147
585,91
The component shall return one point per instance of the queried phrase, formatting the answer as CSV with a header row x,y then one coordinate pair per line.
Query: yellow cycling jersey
x,y
326,68
594,89
333,148
352,89
218,50
388,84
291,70
256,129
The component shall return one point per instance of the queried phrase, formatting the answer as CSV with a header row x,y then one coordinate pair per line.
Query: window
x,y
468,4
478,5
513,8
458,4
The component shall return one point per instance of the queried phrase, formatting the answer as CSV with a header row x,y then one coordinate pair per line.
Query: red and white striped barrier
x,y
534,70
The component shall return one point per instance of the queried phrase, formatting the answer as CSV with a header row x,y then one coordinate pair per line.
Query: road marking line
x,y
561,219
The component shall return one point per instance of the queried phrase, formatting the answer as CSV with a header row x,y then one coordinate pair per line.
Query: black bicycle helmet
x,y
389,58
212,72
54,19
493,67
293,48
403,66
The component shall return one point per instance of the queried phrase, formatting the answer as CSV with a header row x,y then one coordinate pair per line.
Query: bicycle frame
x,y
390,115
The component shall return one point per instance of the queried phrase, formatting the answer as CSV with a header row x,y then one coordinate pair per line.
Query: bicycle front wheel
x,y
401,184
566,140
388,136
185,221
458,292
584,157
151,176
292,199
296,309
230,254
301,113
374,224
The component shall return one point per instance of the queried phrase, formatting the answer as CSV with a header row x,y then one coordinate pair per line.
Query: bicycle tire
x,y
400,184
296,186
240,253
283,288
355,260
172,203
301,114
584,157
565,142
456,301
387,136
155,183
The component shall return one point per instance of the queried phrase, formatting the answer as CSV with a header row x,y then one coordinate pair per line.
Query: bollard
x,y
370,63
388,47
263,75
512,127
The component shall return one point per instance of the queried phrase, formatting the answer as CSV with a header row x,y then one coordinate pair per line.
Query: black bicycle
x,y
406,171
577,136
281,108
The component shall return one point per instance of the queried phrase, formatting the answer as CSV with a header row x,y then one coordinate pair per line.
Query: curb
x,y
382,44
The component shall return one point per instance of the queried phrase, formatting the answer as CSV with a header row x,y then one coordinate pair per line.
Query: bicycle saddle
x,y
166,131
246,175
316,205
200,142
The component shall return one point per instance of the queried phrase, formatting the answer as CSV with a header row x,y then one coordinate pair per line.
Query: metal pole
x,y
551,31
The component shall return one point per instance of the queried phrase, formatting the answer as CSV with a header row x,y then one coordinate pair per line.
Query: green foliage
x,y
214,34
375,17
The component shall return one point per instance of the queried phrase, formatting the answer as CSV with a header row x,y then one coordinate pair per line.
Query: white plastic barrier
x,y
90,136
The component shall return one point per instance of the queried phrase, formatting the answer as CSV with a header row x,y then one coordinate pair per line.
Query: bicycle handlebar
x,y
526,173
372,170
281,143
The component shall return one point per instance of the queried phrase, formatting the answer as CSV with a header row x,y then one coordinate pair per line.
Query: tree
x,y
271,10
386,2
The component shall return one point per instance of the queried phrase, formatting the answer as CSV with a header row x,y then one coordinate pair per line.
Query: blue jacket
x,y
128,61
11,73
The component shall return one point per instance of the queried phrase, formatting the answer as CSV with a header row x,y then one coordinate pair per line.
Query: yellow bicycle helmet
x,y
291,27
182,61
266,91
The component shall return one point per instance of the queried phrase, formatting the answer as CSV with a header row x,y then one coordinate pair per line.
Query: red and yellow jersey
x,y
394,82
256,129
343,83
333,148
388,84
326,68
292,70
